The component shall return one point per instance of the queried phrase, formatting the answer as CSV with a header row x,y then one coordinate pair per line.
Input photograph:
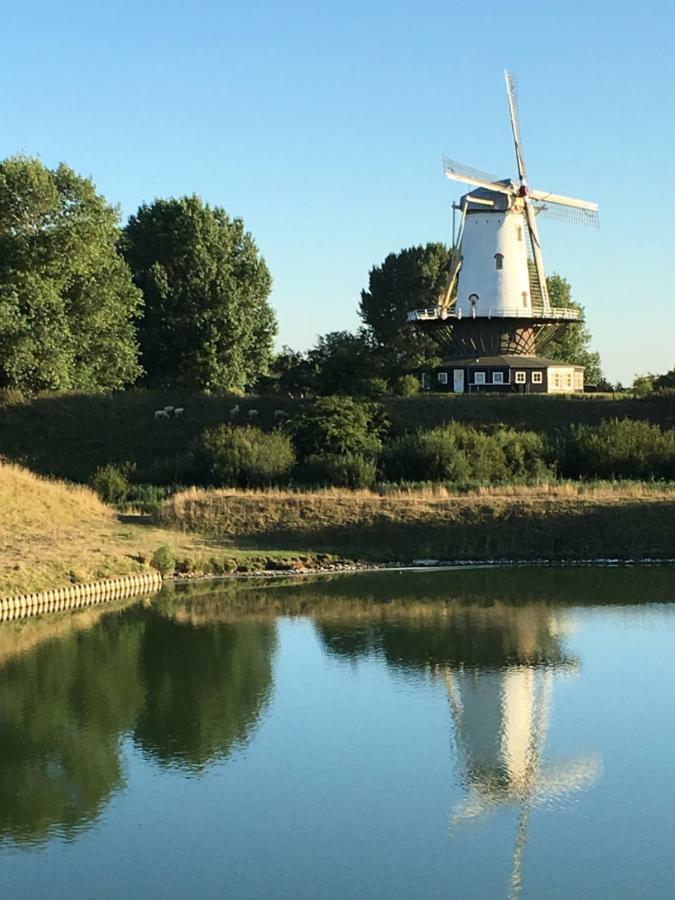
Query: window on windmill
x,y
537,378
524,296
520,377
519,233
442,377
499,260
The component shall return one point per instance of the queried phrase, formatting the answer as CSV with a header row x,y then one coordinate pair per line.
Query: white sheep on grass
x,y
178,411
161,414
281,414
252,415
234,412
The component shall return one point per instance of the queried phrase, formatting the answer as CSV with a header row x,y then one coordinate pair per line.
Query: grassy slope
x,y
52,534
70,436
564,522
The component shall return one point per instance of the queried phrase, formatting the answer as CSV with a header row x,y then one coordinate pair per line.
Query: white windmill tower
x,y
496,300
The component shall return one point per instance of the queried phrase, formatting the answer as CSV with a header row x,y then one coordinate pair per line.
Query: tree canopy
x,y
67,302
207,323
411,279
573,345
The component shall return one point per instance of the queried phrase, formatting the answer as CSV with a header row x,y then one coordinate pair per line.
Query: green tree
x,y
643,384
573,345
207,323
67,302
411,279
665,381
291,372
340,426
346,363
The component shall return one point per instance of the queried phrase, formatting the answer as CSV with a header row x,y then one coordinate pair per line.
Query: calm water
x,y
440,734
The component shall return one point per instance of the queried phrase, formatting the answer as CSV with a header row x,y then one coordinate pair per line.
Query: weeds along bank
x,y
72,435
563,522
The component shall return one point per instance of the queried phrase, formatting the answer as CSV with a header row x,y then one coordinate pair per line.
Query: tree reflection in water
x,y
188,693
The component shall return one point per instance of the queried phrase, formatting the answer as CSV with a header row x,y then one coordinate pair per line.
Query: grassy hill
x,y
70,436
53,534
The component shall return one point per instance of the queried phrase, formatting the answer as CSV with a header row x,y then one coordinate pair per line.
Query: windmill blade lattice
x,y
563,213
512,94
454,169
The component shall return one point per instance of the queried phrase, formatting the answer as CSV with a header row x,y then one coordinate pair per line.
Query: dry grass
x,y
234,512
53,533
565,521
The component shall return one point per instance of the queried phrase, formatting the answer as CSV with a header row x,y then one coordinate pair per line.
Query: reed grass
x,y
549,521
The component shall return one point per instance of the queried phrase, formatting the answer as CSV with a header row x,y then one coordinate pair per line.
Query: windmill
x,y
496,300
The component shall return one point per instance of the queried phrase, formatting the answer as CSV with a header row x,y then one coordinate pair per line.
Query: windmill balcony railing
x,y
502,312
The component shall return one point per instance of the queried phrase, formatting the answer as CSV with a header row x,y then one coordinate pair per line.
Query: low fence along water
x,y
76,596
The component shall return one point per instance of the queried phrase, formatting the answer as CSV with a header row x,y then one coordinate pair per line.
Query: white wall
x,y
485,234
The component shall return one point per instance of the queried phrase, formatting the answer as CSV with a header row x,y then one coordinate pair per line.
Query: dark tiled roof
x,y
513,362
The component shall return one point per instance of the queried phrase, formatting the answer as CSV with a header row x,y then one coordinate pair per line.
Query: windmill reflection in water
x,y
500,702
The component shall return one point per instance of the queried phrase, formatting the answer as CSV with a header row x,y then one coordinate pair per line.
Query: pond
x,y
475,733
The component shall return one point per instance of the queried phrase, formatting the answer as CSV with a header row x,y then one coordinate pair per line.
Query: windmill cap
x,y
484,200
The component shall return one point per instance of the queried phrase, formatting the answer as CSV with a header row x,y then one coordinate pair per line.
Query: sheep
x,y
169,409
178,411
280,414
234,412
252,415
161,414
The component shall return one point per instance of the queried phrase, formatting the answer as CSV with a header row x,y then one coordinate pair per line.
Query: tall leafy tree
x,y
67,302
573,346
411,279
207,323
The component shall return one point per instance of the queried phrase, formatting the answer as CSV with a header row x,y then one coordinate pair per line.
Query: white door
x,y
458,381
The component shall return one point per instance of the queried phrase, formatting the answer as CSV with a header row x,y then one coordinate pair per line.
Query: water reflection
x,y
499,664
185,681
186,693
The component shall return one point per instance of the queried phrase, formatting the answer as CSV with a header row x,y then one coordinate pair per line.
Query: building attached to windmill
x,y
494,320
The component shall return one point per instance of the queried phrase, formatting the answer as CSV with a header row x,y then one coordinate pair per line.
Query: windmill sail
x,y
512,94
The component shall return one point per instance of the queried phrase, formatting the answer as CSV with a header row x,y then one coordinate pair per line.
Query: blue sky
x,y
323,125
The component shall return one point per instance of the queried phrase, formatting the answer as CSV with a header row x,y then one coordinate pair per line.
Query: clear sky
x,y
323,125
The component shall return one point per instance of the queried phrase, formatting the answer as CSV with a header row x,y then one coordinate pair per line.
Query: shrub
x,y
111,483
618,448
230,456
406,386
525,453
336,426
164,560
348,471
460,453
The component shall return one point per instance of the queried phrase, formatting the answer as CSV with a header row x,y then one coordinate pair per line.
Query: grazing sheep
x,y
169,409
234,412
280,414
178,411
161,414
252,415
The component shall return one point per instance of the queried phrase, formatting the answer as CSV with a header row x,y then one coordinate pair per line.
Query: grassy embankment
x,y
70,436
53,534
562,522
